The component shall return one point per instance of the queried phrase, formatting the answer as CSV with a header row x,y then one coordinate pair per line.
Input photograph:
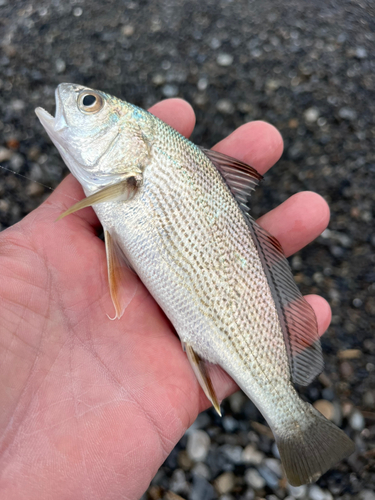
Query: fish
x,y
178,215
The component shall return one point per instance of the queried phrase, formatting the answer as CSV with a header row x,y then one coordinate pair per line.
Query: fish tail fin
x,y
312,448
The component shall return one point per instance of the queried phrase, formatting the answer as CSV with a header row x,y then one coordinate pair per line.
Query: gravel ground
x,y
307,68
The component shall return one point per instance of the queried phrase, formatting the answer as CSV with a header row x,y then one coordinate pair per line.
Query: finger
x,y
177,113
322,311
297,221
257,143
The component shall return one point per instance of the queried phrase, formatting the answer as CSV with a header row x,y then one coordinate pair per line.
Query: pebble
x,y
349,353
225,106
269,476
356,421
158,79
17,105
225,483
170,90
311,115
361,52
230,424
233,453
347,114
198,445
326,408
184,461
202,85
275,450
274,465
60,65
366,495
127,30
201,489
34,189
201,469
236,401
346,370
252,456
16,162
5,154
178,482
254,479
297,491
316,493
224,59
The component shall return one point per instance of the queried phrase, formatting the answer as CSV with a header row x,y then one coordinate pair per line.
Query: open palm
x,y
90,408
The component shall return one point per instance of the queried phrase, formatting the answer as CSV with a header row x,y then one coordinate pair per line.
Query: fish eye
x,y
90,102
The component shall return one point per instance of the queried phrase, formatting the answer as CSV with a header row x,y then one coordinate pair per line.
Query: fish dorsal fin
x,y
240,177
296,316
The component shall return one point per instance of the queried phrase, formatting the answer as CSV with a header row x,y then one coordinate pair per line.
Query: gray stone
x,y
254,479
201,469
366,495
269,476
297,491
230,424
201,489
316,493
347,114
274,465
170,90
233,453
198,445
178,483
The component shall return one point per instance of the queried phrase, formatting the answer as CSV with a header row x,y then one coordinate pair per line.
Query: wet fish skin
x,y
218,277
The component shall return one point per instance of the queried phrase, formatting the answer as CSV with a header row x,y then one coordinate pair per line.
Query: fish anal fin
x,y
123,191
118,274
240,177
200,368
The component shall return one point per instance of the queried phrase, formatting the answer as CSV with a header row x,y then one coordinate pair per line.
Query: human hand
x,y
91,408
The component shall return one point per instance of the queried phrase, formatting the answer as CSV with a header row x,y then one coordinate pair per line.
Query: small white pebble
x,y
224,59
356,421
198,445
311,115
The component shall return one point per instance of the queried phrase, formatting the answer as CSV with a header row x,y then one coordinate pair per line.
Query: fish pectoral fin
x,y
240,177
118,267
201,371
121,191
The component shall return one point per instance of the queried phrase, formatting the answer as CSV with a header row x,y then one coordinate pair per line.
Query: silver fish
x,y
178,215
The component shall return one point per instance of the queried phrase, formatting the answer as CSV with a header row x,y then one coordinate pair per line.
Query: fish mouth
x,y
53,124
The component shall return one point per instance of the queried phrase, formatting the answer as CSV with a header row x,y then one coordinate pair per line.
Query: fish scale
x,y
179,216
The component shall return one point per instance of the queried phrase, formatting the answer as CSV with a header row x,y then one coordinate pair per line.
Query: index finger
x,y
257,143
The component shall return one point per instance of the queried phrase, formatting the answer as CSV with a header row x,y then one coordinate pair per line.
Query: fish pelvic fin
x,y
312,448
201,371
121,191
118,268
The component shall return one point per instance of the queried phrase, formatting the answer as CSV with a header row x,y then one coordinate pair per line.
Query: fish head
x,y
86,131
